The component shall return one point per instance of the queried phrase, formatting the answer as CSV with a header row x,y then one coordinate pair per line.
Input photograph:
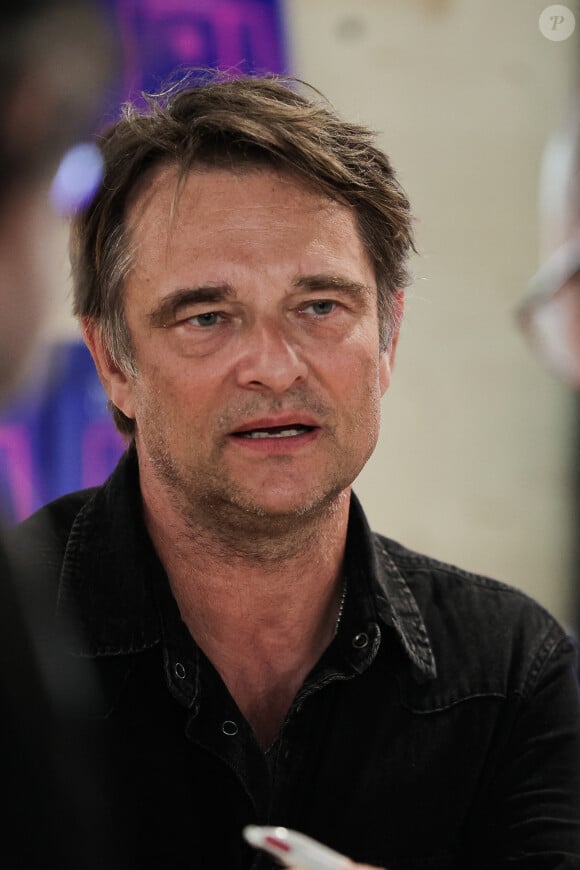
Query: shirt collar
x,y
109,564
111,575
368,556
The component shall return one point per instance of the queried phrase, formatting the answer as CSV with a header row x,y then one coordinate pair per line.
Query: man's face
x,y
252,309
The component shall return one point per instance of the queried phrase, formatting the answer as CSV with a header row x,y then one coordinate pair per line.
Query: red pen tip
x,y
278,844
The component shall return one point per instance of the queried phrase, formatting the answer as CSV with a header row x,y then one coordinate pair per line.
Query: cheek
x,y
384,372
174,394
358,389
364,371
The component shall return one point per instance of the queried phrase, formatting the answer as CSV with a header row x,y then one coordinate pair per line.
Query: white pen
x,y
294,849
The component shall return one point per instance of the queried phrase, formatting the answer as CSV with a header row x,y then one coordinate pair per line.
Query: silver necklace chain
x,y
340,607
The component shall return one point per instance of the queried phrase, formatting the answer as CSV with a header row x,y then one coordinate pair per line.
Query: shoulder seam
x,y
415,560
551,646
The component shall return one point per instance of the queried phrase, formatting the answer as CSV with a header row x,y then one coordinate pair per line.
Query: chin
x,y
284,504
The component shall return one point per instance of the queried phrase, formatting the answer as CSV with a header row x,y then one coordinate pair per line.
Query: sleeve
x,y
532,817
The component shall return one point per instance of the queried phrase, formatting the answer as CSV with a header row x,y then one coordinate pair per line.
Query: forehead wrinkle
x,y
181,202
158,179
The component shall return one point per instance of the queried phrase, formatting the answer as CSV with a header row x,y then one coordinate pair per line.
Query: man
x,y
266,658
55,59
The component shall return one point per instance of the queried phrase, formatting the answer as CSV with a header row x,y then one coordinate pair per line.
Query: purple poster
x,y
61,438
161,37
58,437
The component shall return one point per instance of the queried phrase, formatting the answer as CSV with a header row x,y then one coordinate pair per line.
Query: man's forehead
x,y
209,237
174,192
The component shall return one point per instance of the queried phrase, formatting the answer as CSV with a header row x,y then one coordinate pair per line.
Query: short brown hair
x,y
232,122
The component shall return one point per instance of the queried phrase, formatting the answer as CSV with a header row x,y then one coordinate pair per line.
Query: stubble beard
x,y
230,519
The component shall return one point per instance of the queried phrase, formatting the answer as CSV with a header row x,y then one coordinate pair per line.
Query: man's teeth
x,y
279,433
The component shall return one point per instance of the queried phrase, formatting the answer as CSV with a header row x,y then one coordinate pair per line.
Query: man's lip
x,y
286,420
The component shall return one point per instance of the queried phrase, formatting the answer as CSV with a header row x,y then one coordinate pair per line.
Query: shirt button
x,y
179,671
360,640
229,728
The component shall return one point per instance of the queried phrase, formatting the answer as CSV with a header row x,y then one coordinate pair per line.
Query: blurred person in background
x,y
549,312
56,58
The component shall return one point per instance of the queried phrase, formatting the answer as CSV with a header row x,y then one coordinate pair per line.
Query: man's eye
x,y
210,318
321,307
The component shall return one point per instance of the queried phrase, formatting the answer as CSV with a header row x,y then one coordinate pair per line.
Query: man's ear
x,y
387,360
118,384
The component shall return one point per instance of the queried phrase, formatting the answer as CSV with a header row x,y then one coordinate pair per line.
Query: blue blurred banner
x,y
58,437
61,438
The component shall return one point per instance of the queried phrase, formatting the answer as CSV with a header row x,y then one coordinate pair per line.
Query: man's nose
x,y
270,359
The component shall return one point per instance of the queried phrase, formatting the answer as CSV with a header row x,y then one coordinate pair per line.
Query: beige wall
x,y
473,461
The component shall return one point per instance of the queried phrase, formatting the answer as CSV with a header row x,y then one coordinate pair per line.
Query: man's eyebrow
x,y
333,282
165,313
168,309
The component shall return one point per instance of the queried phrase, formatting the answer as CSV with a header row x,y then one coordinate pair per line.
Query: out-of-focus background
x,y
476,461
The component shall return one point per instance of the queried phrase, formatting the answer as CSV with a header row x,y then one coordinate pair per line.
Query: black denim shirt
x,y
440,729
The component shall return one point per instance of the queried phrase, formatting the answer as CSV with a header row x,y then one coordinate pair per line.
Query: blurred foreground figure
x,y
266,657
54,62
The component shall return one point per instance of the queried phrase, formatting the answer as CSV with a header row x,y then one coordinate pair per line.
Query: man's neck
x,y
261,597
280,579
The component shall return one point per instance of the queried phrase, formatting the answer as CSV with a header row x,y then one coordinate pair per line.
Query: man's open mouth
x,y
276,432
